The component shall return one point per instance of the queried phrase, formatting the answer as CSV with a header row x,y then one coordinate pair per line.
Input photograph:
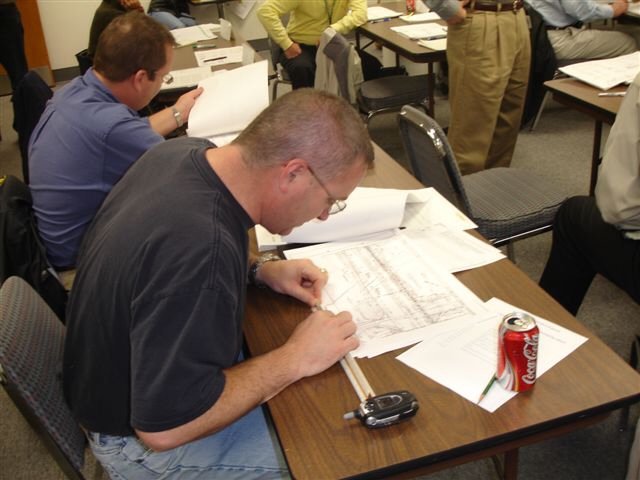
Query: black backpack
x,y
23,253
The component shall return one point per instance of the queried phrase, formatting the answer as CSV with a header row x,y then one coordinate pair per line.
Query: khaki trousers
x,y
489,56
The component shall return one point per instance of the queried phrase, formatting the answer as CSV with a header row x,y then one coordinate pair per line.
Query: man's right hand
x,y
619,7
460,16
321,340
293,51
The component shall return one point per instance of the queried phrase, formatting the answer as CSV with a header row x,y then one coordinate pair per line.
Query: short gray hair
x,y
316,126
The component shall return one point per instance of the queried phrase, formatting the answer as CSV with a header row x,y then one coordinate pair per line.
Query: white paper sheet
x,y
219,56
429,31
394,290
371,210
439,44
241,9
455,250
230,101
465,360
607,73
377,12
420,17
187,77
196,33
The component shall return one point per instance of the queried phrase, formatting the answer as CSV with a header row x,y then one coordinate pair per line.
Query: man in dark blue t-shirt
x,y
154,325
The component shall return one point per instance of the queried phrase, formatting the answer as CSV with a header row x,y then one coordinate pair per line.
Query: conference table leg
x,y
595,156
508,468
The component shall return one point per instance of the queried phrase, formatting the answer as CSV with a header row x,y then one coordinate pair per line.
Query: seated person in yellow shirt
x,y
298,41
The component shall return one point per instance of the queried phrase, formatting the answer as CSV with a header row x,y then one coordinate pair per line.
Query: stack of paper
x,y
396,292
464,357
219,56
420,17
607,73
189,35
438,44
230,101
373,210
186,78
430,31
380,13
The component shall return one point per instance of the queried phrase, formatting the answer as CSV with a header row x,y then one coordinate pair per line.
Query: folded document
x,y
230,101
372,210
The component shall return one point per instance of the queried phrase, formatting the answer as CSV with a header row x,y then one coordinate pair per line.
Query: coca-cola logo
x,y
530,352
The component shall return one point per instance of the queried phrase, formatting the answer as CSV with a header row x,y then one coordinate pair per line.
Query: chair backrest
x,y
22,252
430,155
338,66
31,344
29,101
85,61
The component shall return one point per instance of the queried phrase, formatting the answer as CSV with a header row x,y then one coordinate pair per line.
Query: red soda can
x,y
517,352
411,6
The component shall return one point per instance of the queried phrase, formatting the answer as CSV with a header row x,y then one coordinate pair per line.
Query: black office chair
x,y
547,93
85,61
280,75
507,204
22,252
381,95
390,94
29,101
31,343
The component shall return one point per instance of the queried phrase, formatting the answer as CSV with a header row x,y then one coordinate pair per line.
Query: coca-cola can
x,y
517,352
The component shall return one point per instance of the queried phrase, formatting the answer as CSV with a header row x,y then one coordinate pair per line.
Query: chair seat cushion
x,y
392,91
508,201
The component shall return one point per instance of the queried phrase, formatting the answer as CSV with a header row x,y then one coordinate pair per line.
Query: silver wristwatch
x,y
255,266
177,116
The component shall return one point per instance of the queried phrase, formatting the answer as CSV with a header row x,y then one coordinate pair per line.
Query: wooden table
x,y
380,32
184,58
584,98
448,430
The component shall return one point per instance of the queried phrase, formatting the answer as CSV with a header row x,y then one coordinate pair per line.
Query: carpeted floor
x,y
560,149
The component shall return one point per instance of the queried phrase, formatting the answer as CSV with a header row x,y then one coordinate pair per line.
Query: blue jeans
x,y
171,21
243,450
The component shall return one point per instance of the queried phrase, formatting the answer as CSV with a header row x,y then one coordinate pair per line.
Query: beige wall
x,y
66,25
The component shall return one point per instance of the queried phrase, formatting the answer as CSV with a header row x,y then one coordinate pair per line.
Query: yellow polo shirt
x,y
309,18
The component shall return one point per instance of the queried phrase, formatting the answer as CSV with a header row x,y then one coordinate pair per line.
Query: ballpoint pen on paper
x,y
436,37
203,47
214,59
380,20
612,94
487,388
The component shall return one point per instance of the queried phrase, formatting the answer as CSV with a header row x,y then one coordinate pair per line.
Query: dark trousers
x,y
583,245
12,55
301,69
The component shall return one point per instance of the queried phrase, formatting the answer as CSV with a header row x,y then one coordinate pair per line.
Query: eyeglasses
x,y
336,205
168,78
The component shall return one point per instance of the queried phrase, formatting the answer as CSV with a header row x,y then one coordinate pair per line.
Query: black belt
x,y
495,6
574,25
